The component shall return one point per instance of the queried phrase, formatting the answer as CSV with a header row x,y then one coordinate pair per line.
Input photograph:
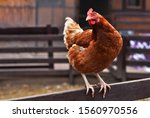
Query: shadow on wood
x,y
123,91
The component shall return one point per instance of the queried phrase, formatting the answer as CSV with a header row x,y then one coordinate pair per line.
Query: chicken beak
x,y
88,18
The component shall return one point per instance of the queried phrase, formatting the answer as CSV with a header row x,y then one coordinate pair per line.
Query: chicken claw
x,y
103,85
88,87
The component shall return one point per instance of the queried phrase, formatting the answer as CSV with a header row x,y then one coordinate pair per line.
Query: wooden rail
x,y
121,63
123,60
35,65
123,91
32,37
29,30
40,62
133,63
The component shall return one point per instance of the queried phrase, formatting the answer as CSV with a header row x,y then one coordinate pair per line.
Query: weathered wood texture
x,y
17,13
124,91
136,21
24,13
41,65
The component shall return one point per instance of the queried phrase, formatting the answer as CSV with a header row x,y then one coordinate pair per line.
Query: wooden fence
x,y
123,91
123,60
45,65
37,62
35,65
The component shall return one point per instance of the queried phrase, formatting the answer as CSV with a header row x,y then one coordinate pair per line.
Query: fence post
x,y
121,61
50,54
51,30
71,75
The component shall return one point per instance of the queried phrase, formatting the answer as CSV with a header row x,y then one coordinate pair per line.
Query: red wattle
x,y
92,22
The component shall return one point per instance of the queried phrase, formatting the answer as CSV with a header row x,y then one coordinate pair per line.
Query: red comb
x,y
90,11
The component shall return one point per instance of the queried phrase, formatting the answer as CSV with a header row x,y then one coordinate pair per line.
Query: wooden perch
x,y
123,91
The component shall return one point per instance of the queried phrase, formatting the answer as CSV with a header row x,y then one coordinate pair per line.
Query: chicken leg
x,y
87,85
102,84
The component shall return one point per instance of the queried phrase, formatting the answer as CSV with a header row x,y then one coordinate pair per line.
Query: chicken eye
x,y
94,13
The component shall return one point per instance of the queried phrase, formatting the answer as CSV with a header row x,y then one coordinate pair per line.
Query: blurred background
x,y
21,13
19,17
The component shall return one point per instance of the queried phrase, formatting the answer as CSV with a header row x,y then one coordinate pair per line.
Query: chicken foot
x,y
102,84
87,85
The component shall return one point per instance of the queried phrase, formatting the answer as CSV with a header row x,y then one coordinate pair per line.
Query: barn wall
x,y
116,4
126,19
42,12
24,12
54,12
17,13
14,13
147,5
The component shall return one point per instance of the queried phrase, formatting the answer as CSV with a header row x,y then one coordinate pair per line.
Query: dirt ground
x,y
9,92
14,88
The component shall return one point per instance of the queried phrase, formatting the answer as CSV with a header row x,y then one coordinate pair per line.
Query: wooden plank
x,y
38,60
135,30
24,30
20,66
137,38
133,22
32,49
34,72
134,75
41,37
29,30
138,63
123,91
135,50
132,14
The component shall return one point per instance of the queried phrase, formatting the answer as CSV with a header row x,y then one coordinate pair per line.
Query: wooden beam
x,y
38,60
32,49
33,37
138,63
33,72
137,38
123,91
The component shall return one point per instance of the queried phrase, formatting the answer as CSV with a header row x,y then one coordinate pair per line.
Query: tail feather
x,y
71,28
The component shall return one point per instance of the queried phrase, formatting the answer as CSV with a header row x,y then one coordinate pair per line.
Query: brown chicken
x,y
92,50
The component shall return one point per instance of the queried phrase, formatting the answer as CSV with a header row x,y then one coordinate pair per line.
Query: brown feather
x,y
102,46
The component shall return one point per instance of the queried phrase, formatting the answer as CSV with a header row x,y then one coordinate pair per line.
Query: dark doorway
x,y
101,6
